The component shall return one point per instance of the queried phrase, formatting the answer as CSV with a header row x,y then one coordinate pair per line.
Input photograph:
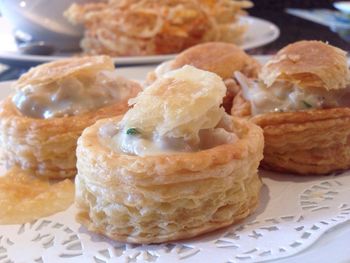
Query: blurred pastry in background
x,y
149,27
302,101
221,58
174,166
52,104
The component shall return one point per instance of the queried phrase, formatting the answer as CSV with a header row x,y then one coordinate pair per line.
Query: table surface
x,y
293,29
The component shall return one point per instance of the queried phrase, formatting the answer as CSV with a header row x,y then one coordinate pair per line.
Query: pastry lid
x,y
308,64
53,71
221,58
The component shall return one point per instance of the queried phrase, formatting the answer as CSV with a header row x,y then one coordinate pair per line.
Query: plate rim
x,y
12,58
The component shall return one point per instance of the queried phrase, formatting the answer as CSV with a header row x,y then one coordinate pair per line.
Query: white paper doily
x,y
294,212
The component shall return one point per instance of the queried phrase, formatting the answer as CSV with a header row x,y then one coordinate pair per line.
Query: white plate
x,y
260,32
331,247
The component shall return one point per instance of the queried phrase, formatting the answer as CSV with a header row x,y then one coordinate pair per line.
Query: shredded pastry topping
x,y
130,27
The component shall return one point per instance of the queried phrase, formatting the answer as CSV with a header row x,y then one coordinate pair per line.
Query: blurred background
x,y
295,28
275,5
296,20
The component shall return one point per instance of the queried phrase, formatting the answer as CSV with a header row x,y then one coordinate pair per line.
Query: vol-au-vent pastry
x,y
302,101
221,58
52,104
173,167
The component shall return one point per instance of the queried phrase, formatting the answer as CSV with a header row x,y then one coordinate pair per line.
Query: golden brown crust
x,y
167,197
308,64
305,142
221,58
47,146
309,142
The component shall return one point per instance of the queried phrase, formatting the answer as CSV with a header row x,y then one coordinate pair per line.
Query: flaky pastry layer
x,y
308,64
220,58
223,59
156,199
305,142
63,68
47,146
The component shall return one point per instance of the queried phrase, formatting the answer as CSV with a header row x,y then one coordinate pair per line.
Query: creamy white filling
x,y
71,96
142,145
287,97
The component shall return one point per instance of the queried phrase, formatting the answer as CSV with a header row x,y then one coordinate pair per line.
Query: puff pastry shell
x,y
305,142
167,197
315,141
47,146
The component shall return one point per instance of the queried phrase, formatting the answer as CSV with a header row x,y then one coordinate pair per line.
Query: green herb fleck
x,y
132,131
306,104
